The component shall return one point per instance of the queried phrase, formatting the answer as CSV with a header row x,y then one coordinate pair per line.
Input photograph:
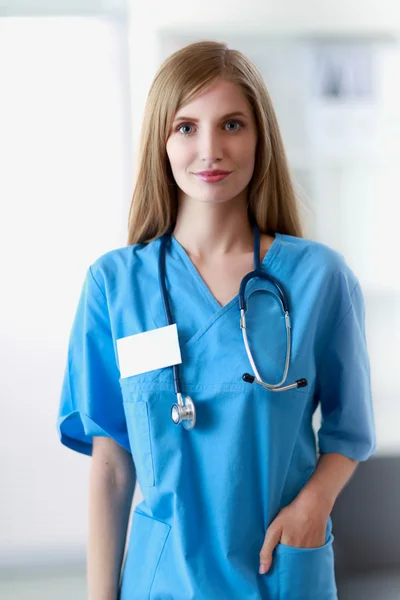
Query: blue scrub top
x,y
211,493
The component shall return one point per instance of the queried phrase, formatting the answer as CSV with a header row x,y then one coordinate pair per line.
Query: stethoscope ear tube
x,y
257,378
285,308
299,383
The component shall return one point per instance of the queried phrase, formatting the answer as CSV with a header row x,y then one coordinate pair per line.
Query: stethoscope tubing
x,y
186,412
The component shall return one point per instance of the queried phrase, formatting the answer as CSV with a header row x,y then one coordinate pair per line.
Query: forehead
x,y
222,98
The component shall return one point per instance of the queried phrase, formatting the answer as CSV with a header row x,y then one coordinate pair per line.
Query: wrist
x,y
315,497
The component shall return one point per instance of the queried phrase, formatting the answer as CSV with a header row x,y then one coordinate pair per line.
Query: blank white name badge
x,y
147,351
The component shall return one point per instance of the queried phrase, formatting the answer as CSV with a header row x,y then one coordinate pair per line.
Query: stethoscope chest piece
x,y
184,413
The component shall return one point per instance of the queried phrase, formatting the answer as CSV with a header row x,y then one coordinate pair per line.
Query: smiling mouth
x,y
212,178
213,172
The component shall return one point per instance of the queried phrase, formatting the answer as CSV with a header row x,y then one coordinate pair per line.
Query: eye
x,y
239,122
183,125
190,125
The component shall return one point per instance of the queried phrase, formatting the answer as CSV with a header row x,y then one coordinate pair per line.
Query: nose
x,y
210,145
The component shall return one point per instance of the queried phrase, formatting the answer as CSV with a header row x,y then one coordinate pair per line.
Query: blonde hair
x,y
182,77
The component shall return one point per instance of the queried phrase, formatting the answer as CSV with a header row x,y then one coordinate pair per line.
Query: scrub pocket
x,y
306,573
146,544
139,400
138,423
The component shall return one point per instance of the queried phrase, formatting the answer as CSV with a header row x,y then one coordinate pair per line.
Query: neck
x,y
210,230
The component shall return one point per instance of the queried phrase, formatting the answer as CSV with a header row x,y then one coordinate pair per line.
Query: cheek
x,y
170,152
247,150
178,157
250,167
245,163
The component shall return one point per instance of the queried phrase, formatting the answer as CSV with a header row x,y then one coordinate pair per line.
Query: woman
x,y
237,501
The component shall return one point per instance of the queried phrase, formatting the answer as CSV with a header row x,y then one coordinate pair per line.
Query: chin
x,y
214,200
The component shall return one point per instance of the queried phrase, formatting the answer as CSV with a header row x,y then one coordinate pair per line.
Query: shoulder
x,y
311,250
323,273
112,267
316,258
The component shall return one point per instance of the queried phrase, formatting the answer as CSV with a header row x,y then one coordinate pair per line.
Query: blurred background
x,y
74,76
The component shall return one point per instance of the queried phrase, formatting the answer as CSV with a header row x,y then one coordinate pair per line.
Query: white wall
x,y
65,155
65,192
149,18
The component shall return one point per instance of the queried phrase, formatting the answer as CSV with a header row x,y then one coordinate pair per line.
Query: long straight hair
x,y
181,78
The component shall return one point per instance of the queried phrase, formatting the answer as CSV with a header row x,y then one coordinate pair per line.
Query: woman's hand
x,y
301,524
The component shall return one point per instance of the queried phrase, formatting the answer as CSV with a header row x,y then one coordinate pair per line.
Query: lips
x,y
212,173
212,178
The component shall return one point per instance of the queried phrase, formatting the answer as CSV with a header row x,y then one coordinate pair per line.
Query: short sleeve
x,y
344,385
91,398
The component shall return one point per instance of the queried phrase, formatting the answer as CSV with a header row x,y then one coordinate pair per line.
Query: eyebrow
x,y
232,114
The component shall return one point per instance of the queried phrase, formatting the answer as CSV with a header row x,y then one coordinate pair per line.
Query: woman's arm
x,y
111,488
332,473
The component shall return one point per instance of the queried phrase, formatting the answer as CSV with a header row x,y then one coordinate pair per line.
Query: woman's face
x,y
204,138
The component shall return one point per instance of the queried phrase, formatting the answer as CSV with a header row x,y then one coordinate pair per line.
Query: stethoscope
x,y
185,412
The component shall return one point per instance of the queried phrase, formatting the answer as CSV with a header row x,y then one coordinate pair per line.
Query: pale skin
x,y
213,228
111,487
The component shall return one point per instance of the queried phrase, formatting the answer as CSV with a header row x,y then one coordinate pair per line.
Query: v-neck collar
x,y
203,287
